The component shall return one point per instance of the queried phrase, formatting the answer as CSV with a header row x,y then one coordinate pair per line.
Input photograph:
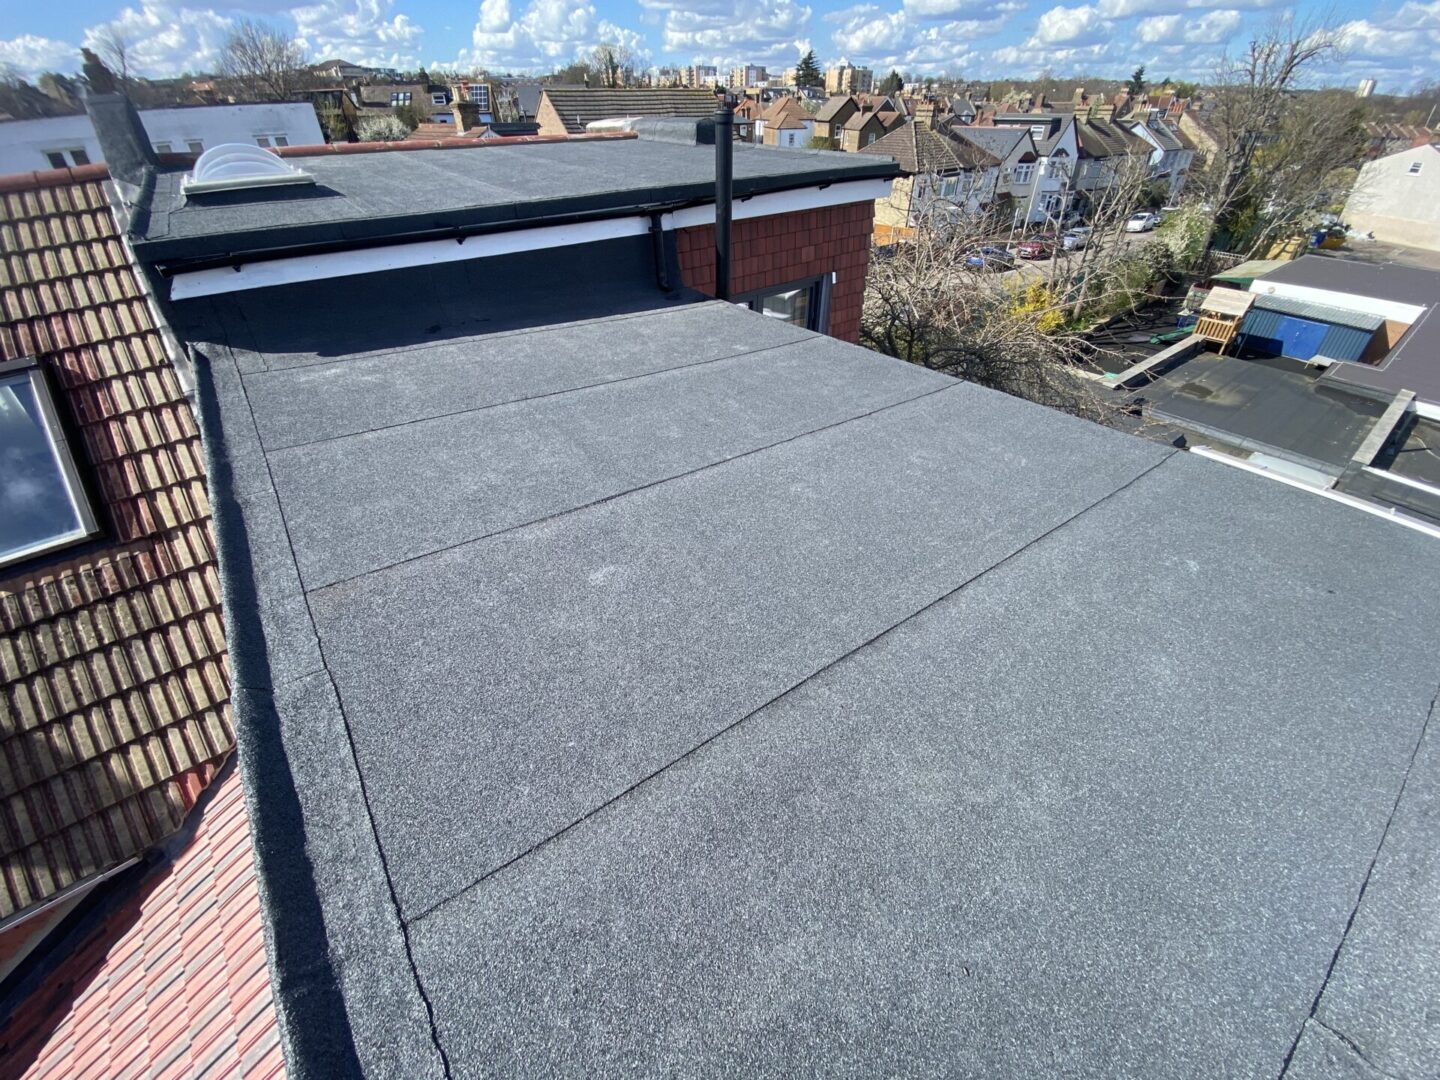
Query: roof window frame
x,y
30,369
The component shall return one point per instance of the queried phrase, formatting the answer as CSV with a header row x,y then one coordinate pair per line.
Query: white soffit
x,y
296,268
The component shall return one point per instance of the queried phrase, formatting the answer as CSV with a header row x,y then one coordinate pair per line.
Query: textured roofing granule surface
x,y
681,692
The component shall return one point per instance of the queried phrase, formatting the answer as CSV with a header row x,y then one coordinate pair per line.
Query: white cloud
x,y
1124,9
166,39
361,31
1070,25
1212,28
548,34
743,31
869,34
29,55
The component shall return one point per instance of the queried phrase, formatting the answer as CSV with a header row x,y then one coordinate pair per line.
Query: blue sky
x,y
1395,42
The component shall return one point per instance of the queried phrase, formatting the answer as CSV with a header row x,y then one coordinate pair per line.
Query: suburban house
x,y
434,99
592,672
786,123
1108,154
567,112
1383,138
1397,198
940,175
748,124
1057,151
831,118
55,142
1172,152
1015,149
874,116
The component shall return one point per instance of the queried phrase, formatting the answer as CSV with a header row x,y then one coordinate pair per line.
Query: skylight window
x,y
42,502
1415,168
233,166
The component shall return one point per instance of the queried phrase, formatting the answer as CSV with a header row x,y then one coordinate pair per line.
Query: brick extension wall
x,y
775,250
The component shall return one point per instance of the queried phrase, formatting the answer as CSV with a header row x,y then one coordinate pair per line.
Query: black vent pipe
x,y
724,177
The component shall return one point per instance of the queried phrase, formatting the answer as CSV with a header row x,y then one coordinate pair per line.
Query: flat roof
x,y
1388,281
1265,406
372,195
1413,364
683,691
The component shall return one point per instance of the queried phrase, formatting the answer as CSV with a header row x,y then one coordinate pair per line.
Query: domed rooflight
x,y
236,166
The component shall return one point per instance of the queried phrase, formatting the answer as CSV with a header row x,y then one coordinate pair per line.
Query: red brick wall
x,y
782,248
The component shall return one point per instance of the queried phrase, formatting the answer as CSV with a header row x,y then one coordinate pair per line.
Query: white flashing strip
x,y
1336,496
1408,481
1368,305
285,271
1429,410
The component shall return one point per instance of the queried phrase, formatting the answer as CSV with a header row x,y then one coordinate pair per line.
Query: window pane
x,y
80,157
36,509
56,159
195,146
792,307
281,140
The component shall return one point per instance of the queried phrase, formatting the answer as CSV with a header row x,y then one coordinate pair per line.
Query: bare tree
x,y
926,304
263,63
1253,93
612,65
113,47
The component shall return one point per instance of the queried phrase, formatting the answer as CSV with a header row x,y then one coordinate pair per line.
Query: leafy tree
x,y
384,128
412,115
819,142
1136,85
891,84
114,48
807,72
101,78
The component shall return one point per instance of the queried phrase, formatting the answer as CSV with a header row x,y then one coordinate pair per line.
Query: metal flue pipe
x,y
724,178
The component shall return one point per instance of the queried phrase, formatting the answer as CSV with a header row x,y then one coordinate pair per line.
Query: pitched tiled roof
x,y
113,686
577,108
114,692
833,106
1101,139
172,981
920,149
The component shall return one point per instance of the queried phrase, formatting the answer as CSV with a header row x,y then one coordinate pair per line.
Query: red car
x,y
1041,246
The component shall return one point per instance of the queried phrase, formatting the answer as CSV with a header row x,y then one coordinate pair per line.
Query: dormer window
x,y
43,505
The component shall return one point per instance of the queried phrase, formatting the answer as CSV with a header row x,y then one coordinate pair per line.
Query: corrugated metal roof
x,y
1320,312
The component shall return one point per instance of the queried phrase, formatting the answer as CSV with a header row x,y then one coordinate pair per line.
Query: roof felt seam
x,y
818,672
276,448
592,504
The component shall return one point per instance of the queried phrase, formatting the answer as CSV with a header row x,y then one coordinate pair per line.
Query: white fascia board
x,y
1369,305
284,271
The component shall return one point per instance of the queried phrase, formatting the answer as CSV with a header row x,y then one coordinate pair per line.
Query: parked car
x,y
1076,238
1144,221
989,257
1041,246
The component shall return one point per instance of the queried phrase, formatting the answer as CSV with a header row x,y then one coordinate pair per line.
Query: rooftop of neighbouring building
x,y
364,196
